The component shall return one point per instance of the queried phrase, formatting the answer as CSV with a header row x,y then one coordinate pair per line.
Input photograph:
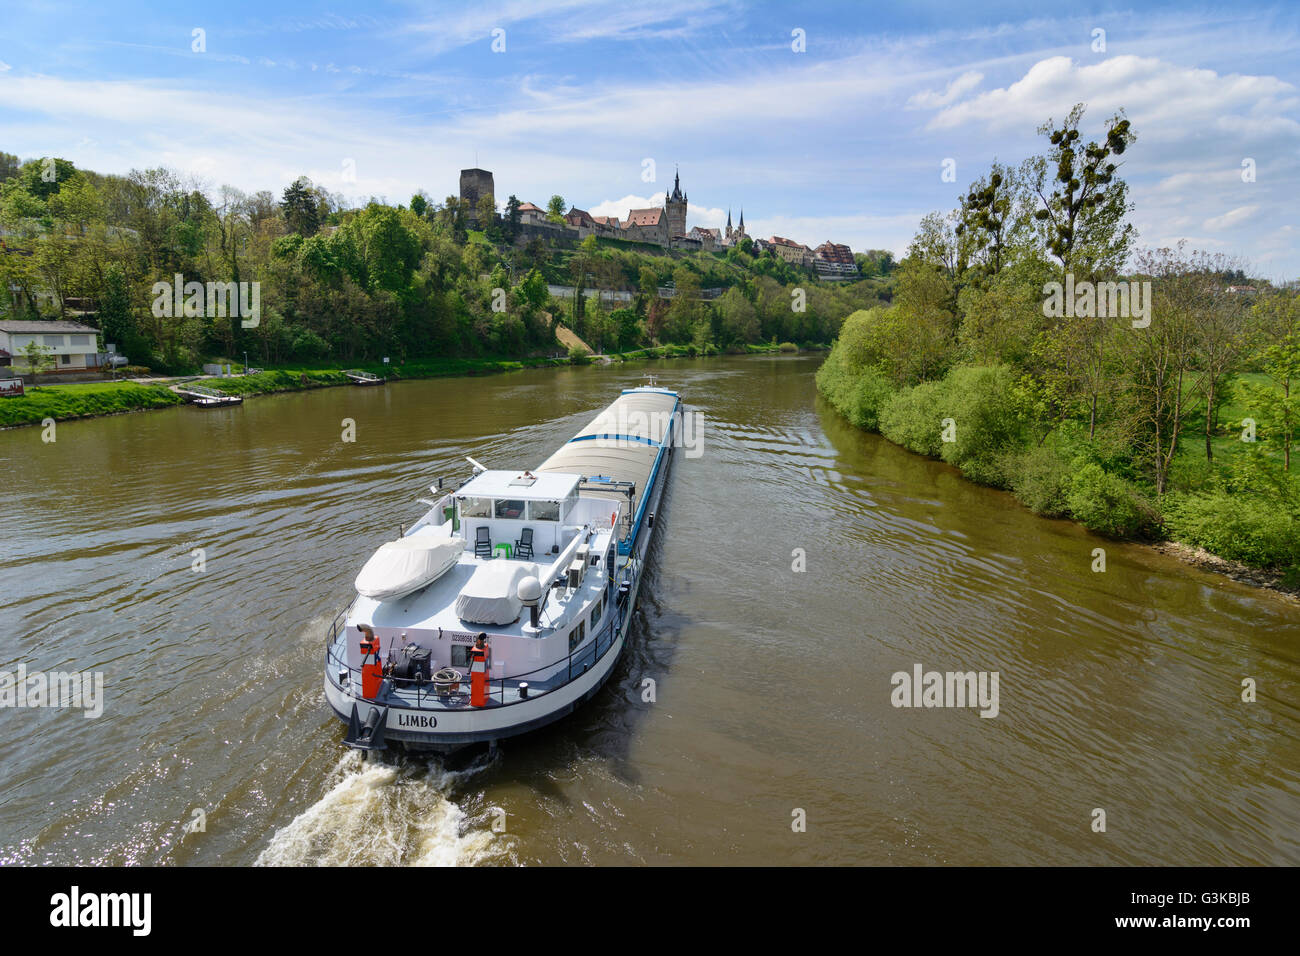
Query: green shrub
x,y
866,399
1254,529
1109,505
579,356
787,347
987,422
1040,477
914,417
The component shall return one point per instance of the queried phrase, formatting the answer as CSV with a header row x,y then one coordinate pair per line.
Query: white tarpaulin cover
x,y
407,564
490,596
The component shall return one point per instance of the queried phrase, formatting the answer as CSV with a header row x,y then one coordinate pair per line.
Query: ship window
x,y
569,502
510,508
476,507
595,611
577,634
543,511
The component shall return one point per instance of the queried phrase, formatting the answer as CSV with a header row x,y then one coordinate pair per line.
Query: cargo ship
x,y
508,603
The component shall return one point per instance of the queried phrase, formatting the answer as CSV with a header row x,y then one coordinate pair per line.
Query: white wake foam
x,y
391,813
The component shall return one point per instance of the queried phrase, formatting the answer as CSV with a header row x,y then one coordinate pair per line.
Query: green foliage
x,y
1041,478
914,417
579,356
1240,527
857,393
1109,505
988,423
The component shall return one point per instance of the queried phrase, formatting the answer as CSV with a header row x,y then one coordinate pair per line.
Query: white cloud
x,y
4,67
958,88
1157,95
1229,219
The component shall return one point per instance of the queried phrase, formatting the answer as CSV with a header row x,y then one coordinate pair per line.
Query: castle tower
x,y
675,208
475,183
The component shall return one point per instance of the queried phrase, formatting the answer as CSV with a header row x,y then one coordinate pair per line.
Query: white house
x,y
70,344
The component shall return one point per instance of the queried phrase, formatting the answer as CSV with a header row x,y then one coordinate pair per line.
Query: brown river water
x,y
1117,691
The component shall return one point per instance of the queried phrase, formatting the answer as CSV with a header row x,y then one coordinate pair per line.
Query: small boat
x,y
205,397
508,603
358,377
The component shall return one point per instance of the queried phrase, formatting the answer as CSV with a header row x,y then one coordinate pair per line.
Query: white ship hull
x,y
610,549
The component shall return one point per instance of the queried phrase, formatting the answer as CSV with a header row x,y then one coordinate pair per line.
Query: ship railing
x,y
502,691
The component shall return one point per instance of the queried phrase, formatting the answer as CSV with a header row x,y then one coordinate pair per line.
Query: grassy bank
x,y
62,402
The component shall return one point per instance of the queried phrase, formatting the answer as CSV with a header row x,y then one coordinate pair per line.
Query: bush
x,y
1253,529
914,417
988,422
787,347
579,356
1109,505
309,346
1040,477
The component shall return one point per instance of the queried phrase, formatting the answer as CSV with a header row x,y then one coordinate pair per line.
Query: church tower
x,y
675,208
728,232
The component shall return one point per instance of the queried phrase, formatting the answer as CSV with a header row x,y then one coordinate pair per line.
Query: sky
x,y
832,121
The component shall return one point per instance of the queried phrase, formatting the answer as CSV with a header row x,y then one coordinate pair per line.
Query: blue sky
x,y
844,141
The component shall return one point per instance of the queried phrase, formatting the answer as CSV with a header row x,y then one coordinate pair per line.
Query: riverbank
x,y
95,399
972,419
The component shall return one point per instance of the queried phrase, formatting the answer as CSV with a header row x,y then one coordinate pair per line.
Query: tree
x,y
301,207
555,209
38,357
116,319
1280,315
1083,202
1219,327
923,321
419,205
486,210
936,243
986,219
1159,358
512,217
737,318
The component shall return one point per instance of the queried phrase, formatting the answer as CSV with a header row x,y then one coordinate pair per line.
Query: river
x,y
772,703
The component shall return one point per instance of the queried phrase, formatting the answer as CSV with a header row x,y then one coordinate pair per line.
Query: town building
x,y
834,261
647,225
795,253
708,238
532,215
71,345
581,220
733,236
